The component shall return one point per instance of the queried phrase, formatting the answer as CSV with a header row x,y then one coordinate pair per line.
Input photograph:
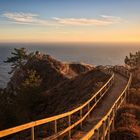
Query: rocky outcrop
x,y
51,71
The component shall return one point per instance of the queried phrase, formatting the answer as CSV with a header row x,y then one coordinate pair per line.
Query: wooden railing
x,y
106,124
84,111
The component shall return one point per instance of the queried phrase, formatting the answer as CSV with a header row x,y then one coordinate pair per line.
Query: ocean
x,y
91,53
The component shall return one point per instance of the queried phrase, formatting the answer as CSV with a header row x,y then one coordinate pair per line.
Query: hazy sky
x,y
69,20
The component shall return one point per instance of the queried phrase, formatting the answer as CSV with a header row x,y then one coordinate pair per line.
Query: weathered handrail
x,y
96,97
102,129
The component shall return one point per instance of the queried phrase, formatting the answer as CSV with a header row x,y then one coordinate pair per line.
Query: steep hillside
x,y
71,93
51,87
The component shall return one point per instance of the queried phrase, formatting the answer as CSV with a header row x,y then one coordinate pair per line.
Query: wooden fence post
x,y
95,99
116,107
89,109
55,126
108,134
96,134
125,96
69,125
103,130
113,117
100,93
81,112
32,133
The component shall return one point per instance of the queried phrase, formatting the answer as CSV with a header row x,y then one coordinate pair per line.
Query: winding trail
x,y
103,106
101,109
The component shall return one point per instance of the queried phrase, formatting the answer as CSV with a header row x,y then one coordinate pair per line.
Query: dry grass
x,y
126,133
134,97
71,93
128,115
127,120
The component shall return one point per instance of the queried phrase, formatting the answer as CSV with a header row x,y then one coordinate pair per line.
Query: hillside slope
x,y
71,93
64,86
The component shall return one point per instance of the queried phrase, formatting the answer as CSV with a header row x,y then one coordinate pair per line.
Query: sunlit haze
x,y
70,21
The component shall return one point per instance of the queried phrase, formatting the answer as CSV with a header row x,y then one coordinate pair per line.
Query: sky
x,y
70,21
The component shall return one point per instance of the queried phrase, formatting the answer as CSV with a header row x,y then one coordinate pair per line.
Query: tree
x,y
18,59
29,95
126,60
131,55
32,81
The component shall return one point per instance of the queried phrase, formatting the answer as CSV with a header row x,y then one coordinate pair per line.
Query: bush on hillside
x,y
134,97
127,115
126,133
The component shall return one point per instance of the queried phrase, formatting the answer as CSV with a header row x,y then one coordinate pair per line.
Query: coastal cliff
x,y
44,87
51,71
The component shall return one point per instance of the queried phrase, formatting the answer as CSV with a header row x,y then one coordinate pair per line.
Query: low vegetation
x,y
127,120
133,60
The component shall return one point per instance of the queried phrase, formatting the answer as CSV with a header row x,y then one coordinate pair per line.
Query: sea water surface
x,y
91,53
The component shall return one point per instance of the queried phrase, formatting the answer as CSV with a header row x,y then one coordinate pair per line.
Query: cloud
x,y
104,20
21,17
112,19
29,18
25,18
